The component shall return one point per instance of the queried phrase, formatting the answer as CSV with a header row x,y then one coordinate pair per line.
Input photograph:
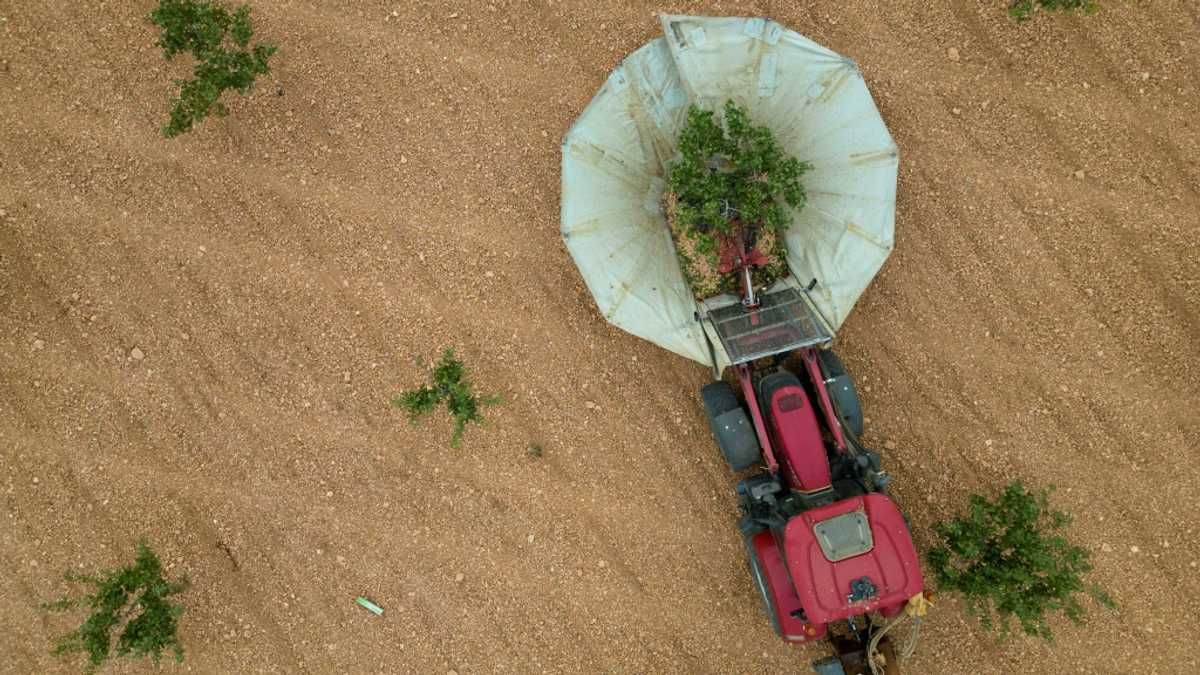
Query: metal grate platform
x,y
783,322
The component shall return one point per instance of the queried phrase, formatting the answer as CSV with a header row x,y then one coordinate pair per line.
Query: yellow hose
x,y
916,609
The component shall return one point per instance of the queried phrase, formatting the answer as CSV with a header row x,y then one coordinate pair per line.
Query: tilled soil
x,y
392,188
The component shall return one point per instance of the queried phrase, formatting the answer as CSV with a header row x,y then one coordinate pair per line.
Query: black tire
x,y
718,399
758,575
842,392
730,426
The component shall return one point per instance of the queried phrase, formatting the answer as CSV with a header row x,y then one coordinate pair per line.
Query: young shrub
x,y
1008,556
730,177
451,385
133,600
220,43
1022,10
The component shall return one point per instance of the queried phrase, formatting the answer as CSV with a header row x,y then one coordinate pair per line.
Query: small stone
x,y
603,564
1134,549
988,442
529,539
1145,76
589,405
1080,175
403,159
36,480
889,445
1107,548
346,377
329,493
458,578
952,53
956,111
38,345
489,274
136,354
1090,291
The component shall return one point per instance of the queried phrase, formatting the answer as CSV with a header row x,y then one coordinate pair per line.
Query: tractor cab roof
x,y
851,557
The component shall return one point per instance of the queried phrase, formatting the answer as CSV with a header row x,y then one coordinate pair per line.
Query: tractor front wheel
x,y
730,425
842,392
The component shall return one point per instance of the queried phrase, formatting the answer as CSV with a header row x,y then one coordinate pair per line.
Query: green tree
x,y
132,600
451,385
220,43
1022,10
732,174
1008,556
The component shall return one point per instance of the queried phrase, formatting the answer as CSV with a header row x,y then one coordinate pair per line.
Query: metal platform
x,y
782,322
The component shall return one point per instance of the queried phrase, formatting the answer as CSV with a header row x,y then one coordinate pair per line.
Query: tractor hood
x,y
616,156
851,557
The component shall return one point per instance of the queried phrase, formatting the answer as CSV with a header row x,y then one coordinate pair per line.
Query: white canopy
x,y
616,154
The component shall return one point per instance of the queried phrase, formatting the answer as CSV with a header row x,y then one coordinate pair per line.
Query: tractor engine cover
x,y
795,432
852,557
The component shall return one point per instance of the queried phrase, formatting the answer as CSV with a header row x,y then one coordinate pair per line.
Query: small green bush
x,y
1022,10
132,599
452,385
220,43
736,172
1008,556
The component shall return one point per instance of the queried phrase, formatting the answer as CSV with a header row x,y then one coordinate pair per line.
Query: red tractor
x,y
828,548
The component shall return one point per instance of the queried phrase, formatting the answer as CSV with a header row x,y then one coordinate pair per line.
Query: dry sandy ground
x,y
392,188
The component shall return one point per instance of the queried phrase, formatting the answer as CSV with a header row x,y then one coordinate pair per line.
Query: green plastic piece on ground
x,y
371,606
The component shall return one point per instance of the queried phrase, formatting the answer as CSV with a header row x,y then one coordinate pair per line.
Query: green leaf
x,y
727,171
450,385
220,43
1022,10
1008,555
136,595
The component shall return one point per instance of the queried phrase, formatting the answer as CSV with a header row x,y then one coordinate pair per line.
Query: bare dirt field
x,y
392,188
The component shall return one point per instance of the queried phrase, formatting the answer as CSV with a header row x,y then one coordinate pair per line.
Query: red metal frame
x,y
783,593
818,379
746,379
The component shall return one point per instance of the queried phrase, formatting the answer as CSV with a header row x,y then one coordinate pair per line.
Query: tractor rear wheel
x,y
759,573
730,425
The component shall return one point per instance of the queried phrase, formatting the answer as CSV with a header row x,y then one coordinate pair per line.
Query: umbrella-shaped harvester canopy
x,y
616,157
